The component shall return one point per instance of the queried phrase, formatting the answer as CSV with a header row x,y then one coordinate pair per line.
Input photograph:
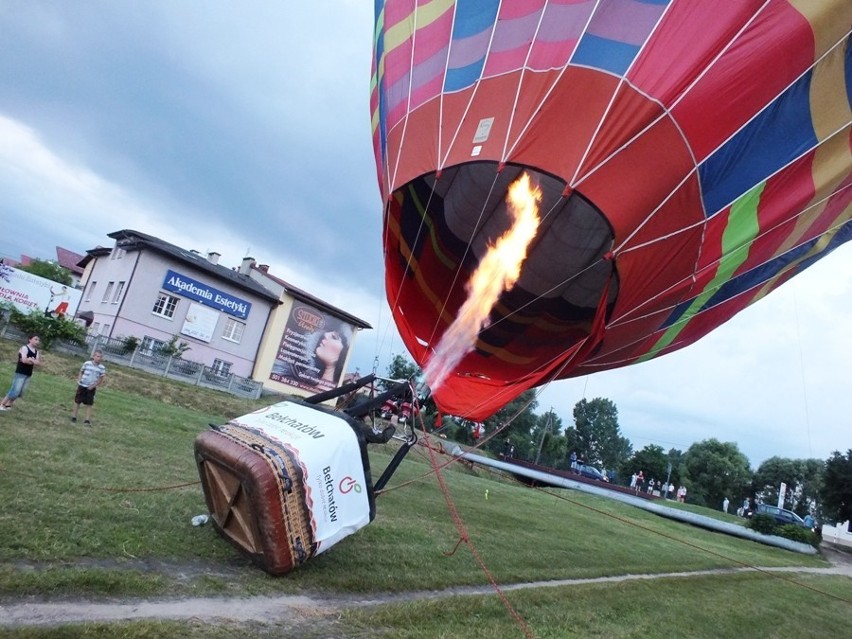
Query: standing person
x,y
725,505
573,458
91,376
27,359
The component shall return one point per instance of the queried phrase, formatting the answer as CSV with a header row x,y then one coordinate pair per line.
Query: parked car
x,y
590,472
781,515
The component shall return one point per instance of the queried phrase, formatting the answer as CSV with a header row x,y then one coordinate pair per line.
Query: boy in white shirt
x,y
91,376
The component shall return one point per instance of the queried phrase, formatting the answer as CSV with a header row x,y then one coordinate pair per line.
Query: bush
x,y
767,525
129,344
173,348
48,328
797,533
764,524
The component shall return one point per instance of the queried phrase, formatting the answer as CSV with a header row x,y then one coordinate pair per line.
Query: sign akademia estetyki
x,y
205,294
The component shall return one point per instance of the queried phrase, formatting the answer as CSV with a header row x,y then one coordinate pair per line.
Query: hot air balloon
x,y
692,156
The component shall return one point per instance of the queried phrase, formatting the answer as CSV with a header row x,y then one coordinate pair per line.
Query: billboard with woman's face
x,y
313,349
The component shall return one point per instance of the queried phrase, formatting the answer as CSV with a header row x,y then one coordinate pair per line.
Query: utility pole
x,y
668,478
543,433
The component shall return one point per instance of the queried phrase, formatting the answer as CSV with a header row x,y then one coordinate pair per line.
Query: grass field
x,y
104,512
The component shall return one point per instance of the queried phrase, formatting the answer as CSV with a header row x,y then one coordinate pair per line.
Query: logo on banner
x,y
347,485
306,319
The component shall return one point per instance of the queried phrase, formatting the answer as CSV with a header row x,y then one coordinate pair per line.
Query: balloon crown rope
x,y
287,482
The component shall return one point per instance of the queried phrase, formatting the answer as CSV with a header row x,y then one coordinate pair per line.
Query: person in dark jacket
x,y
27,359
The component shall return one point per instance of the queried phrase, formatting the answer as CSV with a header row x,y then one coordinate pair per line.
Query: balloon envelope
x,y
693,155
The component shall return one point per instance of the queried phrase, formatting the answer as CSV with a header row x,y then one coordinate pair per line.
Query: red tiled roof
x,y
69,259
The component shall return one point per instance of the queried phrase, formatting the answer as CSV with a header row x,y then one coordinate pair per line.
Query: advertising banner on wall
x,y
200,322
31,293
313,349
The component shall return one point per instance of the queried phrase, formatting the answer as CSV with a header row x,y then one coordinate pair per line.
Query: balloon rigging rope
x,y
464,536
105,489
461,261
802,372
398,293
614,321
576,182
453,458
666,110
580,179
689,544
625,315
623,247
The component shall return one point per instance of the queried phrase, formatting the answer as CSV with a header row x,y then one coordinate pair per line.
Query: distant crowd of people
x,y
654,486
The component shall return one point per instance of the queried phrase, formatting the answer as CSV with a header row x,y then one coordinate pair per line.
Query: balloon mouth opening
x,y
445,223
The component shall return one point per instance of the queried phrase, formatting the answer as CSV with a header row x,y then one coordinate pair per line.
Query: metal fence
x,y
116,350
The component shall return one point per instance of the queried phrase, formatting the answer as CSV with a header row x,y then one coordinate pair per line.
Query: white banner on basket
x,y
328,450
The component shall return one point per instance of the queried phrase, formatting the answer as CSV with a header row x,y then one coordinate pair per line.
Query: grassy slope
x,y
86,508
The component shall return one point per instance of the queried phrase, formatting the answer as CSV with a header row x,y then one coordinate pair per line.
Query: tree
x,y
597,435
713,470
836,492
572,440
48,269
402,368
803,478
550,444
517,420
651,460
675,456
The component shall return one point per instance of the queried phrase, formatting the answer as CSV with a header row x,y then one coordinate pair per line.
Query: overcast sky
x,y
244,128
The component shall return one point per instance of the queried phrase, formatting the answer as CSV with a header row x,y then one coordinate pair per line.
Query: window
x,y
118,290
233,331
107,292
106,330
221,368
117,253
165,305
96,328
91,290
150,346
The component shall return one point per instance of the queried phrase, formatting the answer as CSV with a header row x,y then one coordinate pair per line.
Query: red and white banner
x,y
35,294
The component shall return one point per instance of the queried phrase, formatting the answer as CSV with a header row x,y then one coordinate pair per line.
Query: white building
x,y
235,320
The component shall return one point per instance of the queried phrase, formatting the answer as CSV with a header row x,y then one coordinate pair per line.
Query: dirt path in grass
x,y
292,612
